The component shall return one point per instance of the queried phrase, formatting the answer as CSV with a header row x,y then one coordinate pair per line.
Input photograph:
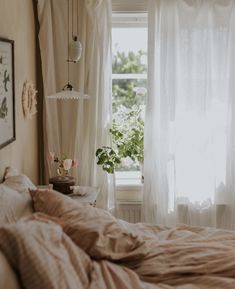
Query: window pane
x,y
129,39
128,118
129,62
128,92
129,89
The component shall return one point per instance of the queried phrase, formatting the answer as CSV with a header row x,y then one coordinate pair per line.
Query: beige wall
x,y
17,23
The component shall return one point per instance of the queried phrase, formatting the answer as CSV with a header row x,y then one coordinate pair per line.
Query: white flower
x,y
127,162
67,164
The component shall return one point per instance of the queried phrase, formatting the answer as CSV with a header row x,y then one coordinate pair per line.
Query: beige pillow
x,y
20,183
15,200
45,258
9,172
94,230
13,204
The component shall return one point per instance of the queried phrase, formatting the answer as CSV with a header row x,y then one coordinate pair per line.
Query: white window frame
x,y
131,6
129,181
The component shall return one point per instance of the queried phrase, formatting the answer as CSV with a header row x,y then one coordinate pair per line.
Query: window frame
x,y
132,6
129,19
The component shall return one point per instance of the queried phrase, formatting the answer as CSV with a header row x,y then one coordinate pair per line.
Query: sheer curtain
x,y
190,114
78,127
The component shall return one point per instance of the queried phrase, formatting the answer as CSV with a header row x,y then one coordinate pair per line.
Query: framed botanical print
x,y
7,92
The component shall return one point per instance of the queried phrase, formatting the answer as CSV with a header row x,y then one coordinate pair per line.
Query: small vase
x,y
62,172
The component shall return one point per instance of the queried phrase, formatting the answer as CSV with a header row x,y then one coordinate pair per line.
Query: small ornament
x,y
29,101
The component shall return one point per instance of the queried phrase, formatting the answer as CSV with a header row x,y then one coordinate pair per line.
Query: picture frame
x,y
7,92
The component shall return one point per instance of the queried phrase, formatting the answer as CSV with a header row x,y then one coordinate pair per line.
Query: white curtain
x,y
78,127
190,114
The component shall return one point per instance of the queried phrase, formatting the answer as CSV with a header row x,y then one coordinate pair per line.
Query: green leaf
x,y
98,151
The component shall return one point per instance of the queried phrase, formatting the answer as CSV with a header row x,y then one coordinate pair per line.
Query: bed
x,y
49,241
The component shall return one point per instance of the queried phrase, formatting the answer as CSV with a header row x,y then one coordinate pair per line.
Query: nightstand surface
x,y
90,196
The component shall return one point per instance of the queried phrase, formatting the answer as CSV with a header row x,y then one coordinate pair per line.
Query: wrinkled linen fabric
x,y
44,257
183,253
15,200
173,257
189,163
181,257
103,236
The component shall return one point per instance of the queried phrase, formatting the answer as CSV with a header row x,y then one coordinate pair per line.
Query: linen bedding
x,y
65,245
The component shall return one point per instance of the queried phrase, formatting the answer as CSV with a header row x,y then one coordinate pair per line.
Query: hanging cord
x,y
77,20
74,36
68,43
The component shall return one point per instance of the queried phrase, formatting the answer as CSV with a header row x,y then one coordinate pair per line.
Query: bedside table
x,y
91,194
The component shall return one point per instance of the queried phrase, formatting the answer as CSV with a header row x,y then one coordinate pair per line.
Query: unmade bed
x,y
49,241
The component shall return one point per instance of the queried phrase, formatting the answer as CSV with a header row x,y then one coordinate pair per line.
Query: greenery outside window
x,y
129,89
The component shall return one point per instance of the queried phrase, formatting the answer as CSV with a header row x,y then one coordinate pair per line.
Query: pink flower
x,y
74,163
51,156
67,164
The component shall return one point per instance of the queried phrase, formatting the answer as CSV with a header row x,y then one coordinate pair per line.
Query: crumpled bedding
x,y
178,257
45,257
66,245
103,236
184,255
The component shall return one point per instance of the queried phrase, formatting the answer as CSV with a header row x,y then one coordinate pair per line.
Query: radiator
x,y
129,211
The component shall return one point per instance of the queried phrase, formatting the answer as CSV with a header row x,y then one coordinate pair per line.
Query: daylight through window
x,y
129,90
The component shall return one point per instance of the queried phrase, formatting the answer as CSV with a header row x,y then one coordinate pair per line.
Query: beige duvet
x,y
43,256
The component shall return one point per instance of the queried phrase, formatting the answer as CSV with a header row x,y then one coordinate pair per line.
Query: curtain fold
x,y
189,127
77,128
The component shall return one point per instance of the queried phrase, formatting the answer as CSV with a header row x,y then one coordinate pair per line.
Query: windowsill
x,y
128,179
128,186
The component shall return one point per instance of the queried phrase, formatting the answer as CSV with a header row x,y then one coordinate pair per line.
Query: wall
x,y
17,23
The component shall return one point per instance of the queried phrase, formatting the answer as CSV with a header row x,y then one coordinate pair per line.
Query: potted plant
x,y
127,140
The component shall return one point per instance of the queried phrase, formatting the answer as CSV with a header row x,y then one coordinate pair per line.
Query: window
x,y
129,89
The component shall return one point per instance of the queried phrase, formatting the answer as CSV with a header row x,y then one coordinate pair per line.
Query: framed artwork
x,y
7,92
